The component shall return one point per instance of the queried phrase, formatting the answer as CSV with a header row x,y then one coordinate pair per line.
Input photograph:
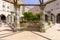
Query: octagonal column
x,y
17,18
42,27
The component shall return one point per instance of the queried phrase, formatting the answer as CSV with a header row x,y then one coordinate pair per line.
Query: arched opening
x,y
58,18
3,17
46,18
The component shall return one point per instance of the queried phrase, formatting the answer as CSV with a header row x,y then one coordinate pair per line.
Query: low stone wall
x,y
47,26
30,26
34,26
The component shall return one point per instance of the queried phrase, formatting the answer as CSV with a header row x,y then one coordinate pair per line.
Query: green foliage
x,y
22,21
29,16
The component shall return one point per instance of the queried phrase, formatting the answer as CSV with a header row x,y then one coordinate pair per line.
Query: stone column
x,y
55,19
0,17
12,17
49,18
8,19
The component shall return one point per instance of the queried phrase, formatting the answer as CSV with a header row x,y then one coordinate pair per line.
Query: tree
x,y
28,16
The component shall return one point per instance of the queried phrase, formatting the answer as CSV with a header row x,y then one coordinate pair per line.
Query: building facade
x,y
7,8
51,9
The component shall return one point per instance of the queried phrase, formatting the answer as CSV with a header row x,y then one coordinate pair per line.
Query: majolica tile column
x,y
42,27
17,18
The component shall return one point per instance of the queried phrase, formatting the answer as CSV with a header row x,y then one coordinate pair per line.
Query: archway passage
x,y
3,17
58,18
46,17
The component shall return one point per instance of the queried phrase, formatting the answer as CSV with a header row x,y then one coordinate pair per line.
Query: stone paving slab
x,y
26,35
52,33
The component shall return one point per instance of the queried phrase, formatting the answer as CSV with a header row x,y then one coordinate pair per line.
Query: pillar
x,y
17,18
55,19
12,17
49,18
9,19
0,18
42,27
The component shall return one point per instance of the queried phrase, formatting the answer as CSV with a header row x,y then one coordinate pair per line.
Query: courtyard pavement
x,y
51,34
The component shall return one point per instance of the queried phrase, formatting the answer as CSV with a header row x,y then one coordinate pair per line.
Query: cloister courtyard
x,y
30,21
52,33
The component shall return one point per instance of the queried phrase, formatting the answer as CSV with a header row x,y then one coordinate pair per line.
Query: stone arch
x,y
58,18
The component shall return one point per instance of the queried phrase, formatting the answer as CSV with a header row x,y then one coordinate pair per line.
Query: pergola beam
x,y
49,2
30,4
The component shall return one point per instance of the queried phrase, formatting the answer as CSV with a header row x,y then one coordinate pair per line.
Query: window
x,y
8,7
51,9
57,4
3,10
57,8
48,11
3,5
7,10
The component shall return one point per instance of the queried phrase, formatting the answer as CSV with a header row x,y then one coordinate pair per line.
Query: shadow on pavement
x,y
9,34
6,30
41,36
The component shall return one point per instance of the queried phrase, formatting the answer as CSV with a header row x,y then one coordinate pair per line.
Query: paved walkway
x,y
4,30
7,34
51,34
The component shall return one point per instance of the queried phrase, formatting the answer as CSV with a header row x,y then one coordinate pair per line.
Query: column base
x,y
42,30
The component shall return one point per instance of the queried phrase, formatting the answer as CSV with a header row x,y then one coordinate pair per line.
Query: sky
x,y
32,2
